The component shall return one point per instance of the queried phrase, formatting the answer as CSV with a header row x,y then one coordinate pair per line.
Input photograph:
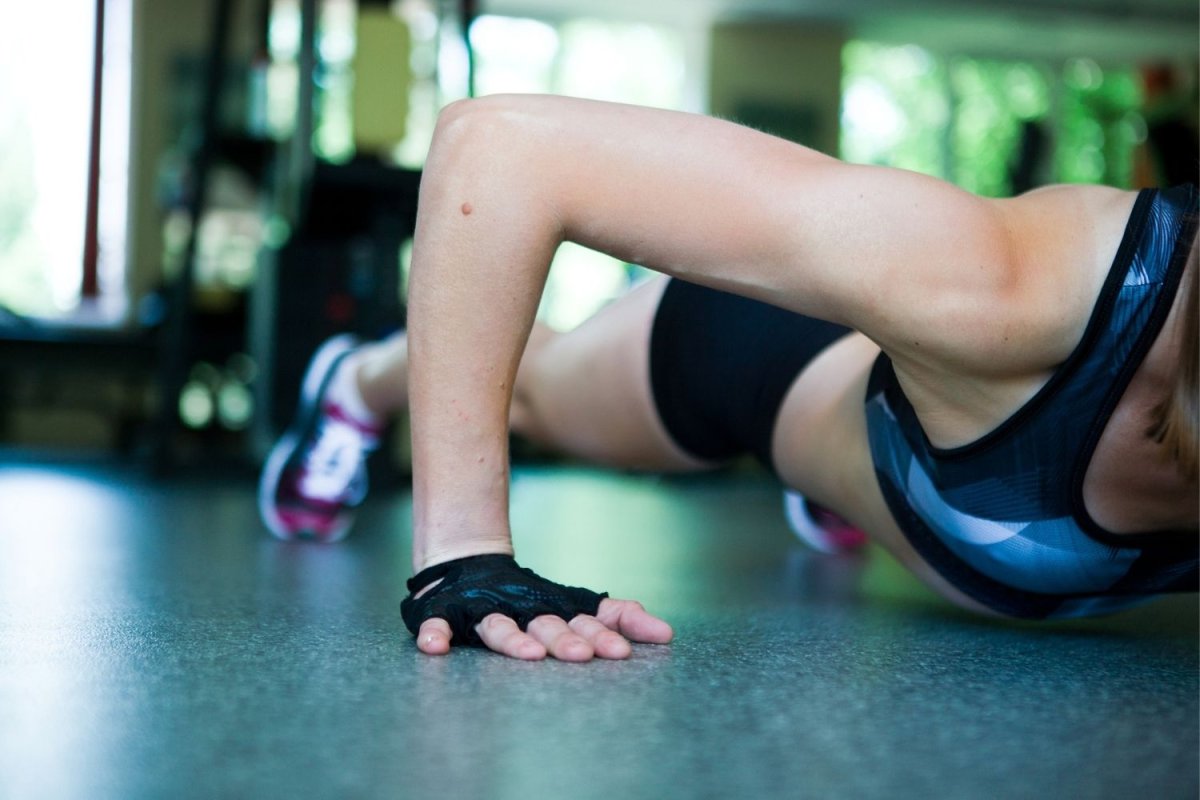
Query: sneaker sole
x,y
805,527
316,377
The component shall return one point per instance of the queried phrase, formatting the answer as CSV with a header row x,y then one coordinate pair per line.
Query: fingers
x,y
582,639
501,634
605,643
498,632
560,641
433,638
606,635
633,621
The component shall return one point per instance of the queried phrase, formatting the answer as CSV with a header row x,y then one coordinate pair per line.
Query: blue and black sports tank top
x,y
1003,518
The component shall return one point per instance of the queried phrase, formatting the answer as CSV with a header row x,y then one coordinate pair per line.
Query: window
x,y
618,61
45,134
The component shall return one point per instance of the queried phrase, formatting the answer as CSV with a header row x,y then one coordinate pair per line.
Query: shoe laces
x,y
333,466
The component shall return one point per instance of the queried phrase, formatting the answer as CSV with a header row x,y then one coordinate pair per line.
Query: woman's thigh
x,y
587,392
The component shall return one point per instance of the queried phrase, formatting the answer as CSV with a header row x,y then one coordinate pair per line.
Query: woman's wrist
x,y
446,527
427,554
460,506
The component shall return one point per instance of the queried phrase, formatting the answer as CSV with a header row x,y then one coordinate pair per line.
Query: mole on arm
x,y
466,209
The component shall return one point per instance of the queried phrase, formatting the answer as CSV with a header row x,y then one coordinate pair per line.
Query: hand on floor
x,y
491,601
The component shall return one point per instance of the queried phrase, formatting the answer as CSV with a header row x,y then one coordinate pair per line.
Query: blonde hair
x,y
1175,421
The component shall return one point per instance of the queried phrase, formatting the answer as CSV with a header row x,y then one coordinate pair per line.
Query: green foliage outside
x,y
967,119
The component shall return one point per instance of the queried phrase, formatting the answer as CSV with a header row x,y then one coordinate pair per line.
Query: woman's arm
x,y
509,178
486,232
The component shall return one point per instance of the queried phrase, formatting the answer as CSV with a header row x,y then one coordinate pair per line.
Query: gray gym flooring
x,y
155,642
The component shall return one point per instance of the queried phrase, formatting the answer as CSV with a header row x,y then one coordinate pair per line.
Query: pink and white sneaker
x,y
316,475
820,528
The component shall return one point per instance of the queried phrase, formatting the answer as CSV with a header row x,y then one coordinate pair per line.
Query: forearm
x,y
483,246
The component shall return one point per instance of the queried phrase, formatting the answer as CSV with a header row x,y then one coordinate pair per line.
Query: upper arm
x,y
913,262
894,254
910,260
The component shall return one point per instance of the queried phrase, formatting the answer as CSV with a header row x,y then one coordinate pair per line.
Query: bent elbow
x,y
480,121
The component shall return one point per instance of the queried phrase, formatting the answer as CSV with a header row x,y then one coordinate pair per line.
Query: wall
x,y
784,77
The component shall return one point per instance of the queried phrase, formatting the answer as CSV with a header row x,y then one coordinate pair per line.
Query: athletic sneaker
x,y
316,474
820,528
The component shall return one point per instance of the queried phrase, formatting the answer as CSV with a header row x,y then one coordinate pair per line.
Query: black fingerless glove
x,y
476,586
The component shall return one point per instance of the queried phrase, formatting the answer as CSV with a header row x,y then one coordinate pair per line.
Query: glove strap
x,y
438,571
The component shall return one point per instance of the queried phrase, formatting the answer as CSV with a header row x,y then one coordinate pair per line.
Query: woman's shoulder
x,y
1079,195
1026,297
1069,213
1064,240
1075,218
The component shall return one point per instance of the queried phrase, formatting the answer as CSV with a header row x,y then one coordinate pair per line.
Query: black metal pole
x,y
468,10
90,284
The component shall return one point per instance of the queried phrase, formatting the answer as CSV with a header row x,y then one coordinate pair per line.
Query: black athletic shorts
x,y
721,364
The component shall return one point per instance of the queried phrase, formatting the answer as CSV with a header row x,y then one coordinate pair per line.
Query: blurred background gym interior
x,y
196,193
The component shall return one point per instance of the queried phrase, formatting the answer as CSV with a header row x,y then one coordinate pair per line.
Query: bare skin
x,y
584,393
975,300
